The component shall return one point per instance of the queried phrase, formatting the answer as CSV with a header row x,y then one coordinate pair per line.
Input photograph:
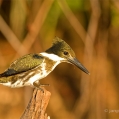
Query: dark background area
x,y
91,28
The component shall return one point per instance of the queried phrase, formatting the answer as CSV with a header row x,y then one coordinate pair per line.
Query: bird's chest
x,y
47,66
43,70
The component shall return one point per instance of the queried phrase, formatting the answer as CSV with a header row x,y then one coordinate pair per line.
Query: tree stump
x,y
37,105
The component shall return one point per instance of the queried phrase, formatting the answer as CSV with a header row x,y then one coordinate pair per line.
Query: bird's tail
x,y
3,74
3,79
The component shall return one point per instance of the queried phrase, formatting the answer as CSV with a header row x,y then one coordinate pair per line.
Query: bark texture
x,y
37,105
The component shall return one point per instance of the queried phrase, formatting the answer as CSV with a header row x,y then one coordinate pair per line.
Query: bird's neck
x,y
50,61
52,56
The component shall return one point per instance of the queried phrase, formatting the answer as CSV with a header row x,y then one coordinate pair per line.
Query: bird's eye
x,y
66,53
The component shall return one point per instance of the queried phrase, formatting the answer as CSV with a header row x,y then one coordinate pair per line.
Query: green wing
x,y
24,64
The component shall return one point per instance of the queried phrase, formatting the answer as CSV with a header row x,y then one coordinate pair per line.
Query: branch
x,y
37,105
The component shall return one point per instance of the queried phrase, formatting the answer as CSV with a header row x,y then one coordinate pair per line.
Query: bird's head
x,y
61,49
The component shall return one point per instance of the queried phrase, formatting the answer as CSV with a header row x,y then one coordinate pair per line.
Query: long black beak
x,y
78,64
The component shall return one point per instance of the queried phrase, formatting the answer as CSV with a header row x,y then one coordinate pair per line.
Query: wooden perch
x,y
37,105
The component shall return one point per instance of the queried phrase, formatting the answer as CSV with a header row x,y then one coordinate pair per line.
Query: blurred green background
x,y
91,28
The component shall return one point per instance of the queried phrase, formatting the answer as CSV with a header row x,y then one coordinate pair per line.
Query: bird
x,y
31,68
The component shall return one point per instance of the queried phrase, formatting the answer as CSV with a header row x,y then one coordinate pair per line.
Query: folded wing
x,y
23,64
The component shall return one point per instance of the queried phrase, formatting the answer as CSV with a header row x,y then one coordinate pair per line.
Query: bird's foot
x,y
44,84
38,86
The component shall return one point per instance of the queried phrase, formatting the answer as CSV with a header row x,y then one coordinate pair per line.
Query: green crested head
x,y
61,49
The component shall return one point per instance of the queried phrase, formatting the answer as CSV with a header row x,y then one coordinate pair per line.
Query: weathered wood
x,y
37,105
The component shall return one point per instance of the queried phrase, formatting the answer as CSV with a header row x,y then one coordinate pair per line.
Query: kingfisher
x,y
31,68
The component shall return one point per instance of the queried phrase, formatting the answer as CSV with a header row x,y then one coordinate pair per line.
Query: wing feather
x,y
23,64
